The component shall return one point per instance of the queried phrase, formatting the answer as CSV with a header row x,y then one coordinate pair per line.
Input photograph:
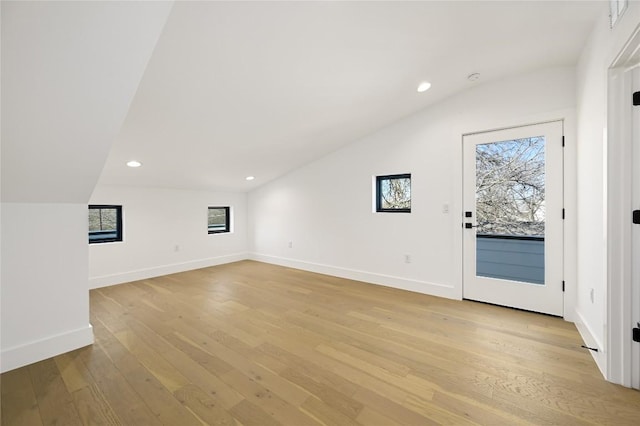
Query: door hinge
x,y
636,333
562,213
563,286
636,98
563,141
636,217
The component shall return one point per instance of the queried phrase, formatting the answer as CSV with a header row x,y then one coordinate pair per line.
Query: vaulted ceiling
x,y
260,88
69,73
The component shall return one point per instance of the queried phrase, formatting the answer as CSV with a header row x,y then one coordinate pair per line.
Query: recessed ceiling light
x,y
134,163
250,178
474,76
424,86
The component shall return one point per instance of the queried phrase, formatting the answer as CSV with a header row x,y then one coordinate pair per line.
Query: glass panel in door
x,y
510,209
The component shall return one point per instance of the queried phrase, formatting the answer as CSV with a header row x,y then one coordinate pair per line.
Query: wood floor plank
x,y
476,411
249,414
326,414
163,371
320,375
250,343
74,373
55,403
128,406
205,378
156,396
93,407
283,388
199,353
394,394
19,403
418,387
266,399
330,397
202,405
369,416
190,361
394,409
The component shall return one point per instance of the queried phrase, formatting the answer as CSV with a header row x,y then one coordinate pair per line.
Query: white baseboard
x,y
143,274
19,356
590,340
416,286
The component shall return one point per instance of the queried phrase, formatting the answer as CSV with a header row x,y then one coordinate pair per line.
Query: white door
x,y
635,231
513,217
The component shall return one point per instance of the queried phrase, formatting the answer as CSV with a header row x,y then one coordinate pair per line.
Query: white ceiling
x,y
261,88
65,91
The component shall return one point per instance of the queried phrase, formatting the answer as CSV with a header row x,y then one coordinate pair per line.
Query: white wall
x,y
64,98
44,298
69,73
599,53
325,208
156,220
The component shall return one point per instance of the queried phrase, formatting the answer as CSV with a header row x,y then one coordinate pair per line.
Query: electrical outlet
x,y
407,258
445,208
290,244
176,248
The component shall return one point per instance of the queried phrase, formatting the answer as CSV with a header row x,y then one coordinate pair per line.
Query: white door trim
x,y
619,186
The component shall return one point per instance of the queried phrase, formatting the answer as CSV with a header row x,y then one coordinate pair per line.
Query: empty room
x,y
320,213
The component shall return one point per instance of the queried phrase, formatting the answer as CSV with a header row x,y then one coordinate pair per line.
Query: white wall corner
x,y
19,356
590,340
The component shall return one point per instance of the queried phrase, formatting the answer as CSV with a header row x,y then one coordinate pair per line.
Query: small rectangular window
x,y
218,220
393,193
105,224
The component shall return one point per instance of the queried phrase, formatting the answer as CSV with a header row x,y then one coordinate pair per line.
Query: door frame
x,y
561,270
506,121
619,203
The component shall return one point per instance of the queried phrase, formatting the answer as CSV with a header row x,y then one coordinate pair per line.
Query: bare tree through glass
x,y
394,193
510,187
103,219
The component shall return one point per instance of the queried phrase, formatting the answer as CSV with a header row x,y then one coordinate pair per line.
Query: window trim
x,y
227,229
119,233
379,179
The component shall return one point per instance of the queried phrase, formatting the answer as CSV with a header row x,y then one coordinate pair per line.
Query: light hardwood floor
x,y
256,344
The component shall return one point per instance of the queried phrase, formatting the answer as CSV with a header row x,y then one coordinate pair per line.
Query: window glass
x,y
105,223
393,193
218,220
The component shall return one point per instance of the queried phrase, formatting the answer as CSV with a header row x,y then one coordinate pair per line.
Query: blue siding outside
x,y
510,259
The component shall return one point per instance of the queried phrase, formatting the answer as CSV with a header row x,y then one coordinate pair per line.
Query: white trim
x,y
28,353
514,127
416,286
590,339
635,232
157,271
618,187
618,231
